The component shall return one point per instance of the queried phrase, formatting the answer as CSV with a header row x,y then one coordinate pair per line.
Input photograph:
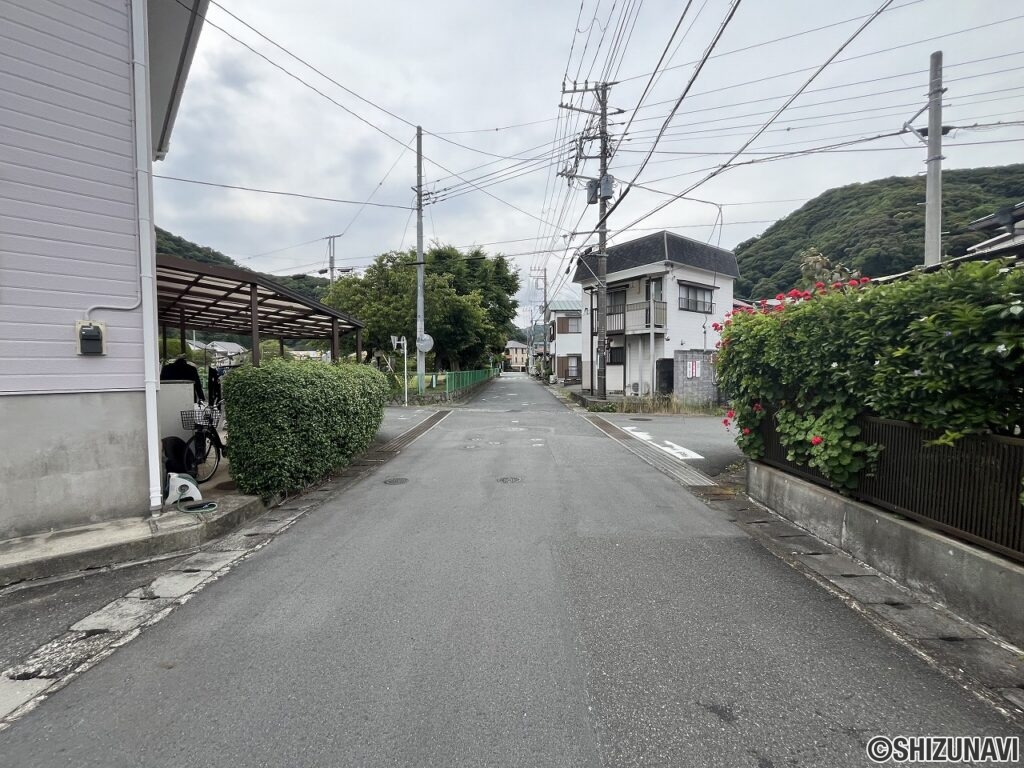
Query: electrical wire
x,y
277,192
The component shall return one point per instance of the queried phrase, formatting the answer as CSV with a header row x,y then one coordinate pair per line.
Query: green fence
x,y
456,381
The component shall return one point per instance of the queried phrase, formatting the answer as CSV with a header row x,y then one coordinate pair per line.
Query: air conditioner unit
x,y
634,388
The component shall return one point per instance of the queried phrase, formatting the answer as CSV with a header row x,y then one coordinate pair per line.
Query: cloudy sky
x,y
485,81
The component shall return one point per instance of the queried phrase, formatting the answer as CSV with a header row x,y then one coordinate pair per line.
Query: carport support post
x,y
359,345
163,330
281,347
254,311
335,342
182,338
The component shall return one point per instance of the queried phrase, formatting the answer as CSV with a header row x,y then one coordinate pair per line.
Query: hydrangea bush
x,y
943,350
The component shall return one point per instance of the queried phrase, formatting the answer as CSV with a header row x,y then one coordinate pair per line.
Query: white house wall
x,y
73,439
68,214
684,330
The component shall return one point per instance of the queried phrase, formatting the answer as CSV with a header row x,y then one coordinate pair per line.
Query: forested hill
x,y
877,227
313,287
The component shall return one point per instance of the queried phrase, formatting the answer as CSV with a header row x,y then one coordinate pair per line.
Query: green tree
x,y
469,303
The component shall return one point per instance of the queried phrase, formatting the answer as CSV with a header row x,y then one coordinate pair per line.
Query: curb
x,y
173,532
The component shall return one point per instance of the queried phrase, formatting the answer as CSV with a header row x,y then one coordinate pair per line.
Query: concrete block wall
x,y
71,459
701,390
976,584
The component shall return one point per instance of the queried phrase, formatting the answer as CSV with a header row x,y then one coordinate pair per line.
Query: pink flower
x,y
837,286
853,283
865,280
716,326
780,296
731,414
819,285
746,430
725,422
757,408
817,440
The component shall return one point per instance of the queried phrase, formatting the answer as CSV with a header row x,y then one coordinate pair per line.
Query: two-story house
x,y
515,353
665,293
565,339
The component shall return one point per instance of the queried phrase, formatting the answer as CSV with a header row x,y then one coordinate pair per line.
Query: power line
x,y
276,192
294,76
779,111
693,78
914,87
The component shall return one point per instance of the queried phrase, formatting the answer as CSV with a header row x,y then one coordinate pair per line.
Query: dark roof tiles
x,y
661,247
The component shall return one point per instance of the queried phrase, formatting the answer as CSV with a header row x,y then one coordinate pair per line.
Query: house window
x,y
572,325
695,298
617,356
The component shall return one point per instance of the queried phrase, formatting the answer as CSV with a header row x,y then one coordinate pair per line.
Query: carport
x,y
192,295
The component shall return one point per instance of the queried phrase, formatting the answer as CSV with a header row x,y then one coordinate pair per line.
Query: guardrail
x,y
970,489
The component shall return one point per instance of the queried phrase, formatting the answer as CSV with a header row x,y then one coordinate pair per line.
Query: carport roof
x,y
209,297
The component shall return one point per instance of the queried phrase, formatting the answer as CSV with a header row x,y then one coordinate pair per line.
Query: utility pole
x,y
603,187
933,184
602,255
421,355
542,274
330,252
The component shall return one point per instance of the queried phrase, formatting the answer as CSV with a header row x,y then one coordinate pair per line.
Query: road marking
x,y
669,447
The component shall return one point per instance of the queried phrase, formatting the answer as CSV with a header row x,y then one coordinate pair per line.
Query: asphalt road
x,y
514,589
705,436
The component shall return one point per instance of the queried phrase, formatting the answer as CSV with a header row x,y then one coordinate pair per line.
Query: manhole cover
x,y
396,481
641,419
509,479
227,485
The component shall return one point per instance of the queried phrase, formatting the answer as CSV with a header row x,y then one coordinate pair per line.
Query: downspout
x,y
147,244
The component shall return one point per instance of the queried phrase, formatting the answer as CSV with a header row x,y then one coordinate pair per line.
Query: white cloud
x,y
465,65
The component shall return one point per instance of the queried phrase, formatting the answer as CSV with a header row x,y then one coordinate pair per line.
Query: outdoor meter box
x,y
91,337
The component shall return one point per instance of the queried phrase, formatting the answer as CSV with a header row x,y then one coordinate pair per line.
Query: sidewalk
x,y
86,547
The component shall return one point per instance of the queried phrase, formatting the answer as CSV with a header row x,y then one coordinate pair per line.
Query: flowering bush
x,y
943,350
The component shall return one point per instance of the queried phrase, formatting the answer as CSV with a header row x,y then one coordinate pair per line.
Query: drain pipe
x,y
147,244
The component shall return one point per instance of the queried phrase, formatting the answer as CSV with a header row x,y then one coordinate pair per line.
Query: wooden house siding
x,y
68,211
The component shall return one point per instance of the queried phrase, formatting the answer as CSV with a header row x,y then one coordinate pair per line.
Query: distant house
x,y
515,351
226,352
1007,229
665,295
565,339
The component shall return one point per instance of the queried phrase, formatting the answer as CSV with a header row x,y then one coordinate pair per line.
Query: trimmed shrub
x,y
943,350
293,423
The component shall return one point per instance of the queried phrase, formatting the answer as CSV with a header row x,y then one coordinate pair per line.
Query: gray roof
x,y
1005,218
513,344
565,305
661,247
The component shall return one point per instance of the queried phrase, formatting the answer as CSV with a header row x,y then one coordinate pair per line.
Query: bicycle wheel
x,y
203,455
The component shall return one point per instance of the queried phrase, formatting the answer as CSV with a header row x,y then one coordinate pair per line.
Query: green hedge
x,y
943,350
293,423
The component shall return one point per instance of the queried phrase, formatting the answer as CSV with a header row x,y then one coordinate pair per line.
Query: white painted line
x,y
670,448
679,452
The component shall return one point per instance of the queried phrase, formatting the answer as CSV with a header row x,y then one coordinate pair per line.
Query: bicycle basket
x,y
207,417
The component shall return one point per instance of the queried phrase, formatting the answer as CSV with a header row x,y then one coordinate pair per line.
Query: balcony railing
x,y
636,317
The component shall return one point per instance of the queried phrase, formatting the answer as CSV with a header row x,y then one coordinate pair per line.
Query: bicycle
x,y
204,449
